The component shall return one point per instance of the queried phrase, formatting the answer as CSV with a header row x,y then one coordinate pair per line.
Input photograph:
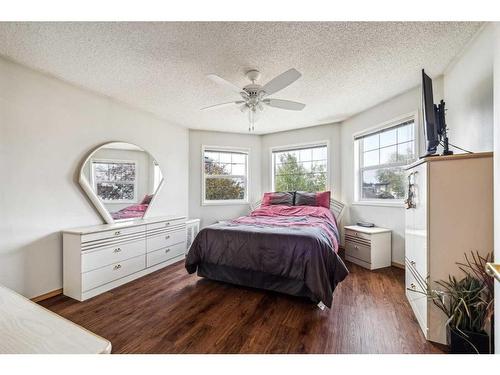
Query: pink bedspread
x,y
294,216
134,211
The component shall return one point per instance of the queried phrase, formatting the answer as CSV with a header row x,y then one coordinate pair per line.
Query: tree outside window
x,y
115,181
382,158
302,169
225,176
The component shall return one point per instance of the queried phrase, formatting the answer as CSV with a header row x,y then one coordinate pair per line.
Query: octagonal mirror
x,y
122,180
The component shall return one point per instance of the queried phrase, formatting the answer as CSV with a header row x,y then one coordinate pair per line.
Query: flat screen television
x,y
433,119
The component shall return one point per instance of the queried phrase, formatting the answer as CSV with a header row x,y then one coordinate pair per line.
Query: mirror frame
x,y
85,184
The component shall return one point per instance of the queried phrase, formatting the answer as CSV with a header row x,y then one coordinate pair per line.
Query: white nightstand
x,y
368,247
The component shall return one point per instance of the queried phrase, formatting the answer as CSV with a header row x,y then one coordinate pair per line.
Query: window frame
x,y
298,146
115,161
222,202
358,170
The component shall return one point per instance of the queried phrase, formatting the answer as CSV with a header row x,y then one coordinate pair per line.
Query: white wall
x,y
330,133
47,127
468,91
209,214
384,216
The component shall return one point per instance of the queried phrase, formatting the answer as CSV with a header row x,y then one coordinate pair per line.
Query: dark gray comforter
x,y
303,254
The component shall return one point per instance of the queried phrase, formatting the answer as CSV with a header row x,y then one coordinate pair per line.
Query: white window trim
x,y
224,202
295,146
387,124
115,161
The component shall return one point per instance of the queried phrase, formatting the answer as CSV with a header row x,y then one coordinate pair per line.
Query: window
x,y
224,176
301,169
115,181
382,156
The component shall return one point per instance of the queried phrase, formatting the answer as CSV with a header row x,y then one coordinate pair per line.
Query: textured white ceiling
x,y
161,67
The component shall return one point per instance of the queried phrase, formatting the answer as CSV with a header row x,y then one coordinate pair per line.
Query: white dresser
x,y
451,214
99,258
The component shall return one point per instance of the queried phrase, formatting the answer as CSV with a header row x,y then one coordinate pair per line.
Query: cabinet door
x,y
415,293
416,234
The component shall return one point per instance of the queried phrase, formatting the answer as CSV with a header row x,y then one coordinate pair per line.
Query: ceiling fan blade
x,y
285,104
221,105
223,82
280,82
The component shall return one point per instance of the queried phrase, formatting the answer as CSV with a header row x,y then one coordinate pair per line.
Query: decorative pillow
x,y
284,198
147,199
303,198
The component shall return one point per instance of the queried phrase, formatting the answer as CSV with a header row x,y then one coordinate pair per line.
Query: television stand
x,y
446,147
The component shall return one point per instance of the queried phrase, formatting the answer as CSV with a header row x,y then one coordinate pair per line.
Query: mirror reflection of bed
x,y
124,177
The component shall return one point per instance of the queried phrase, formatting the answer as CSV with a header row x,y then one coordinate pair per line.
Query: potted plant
x,y
468,305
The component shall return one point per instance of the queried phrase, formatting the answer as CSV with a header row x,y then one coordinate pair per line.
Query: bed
x,y
134,211
284,248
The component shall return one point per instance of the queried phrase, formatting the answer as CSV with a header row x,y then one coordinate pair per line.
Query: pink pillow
x,y
147,199
323,199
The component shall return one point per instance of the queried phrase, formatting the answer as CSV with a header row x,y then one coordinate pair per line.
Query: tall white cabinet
x,y
451,214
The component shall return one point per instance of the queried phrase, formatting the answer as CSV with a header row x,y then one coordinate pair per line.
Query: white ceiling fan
x,y
255,96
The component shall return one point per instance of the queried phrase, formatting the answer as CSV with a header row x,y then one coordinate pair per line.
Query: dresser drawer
x,y
165,224
163,255
358,251
106,274
416,251
98,258
165,239
113,234
355,234
417,299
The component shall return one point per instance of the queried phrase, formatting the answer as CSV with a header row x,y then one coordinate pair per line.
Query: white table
x,y
28,328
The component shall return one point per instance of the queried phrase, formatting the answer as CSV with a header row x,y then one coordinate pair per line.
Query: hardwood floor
x,y
170,311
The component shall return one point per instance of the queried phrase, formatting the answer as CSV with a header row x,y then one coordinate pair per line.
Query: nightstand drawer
x,y
353,233
358,251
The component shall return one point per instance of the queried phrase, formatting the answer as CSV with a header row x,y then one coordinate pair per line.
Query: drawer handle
x,y
167,224
413,286
117,233
167,251
412,262
117,250
117,267
356,247
167,237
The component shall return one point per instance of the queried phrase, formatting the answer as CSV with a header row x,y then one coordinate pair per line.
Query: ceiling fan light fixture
x,y
255,96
